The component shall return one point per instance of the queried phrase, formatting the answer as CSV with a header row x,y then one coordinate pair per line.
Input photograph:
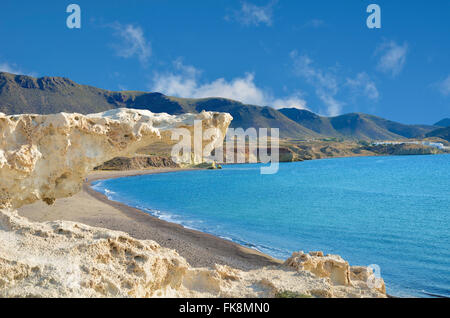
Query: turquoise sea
x,y
389,211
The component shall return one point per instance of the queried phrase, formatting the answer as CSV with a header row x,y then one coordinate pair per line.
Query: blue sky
x,y
318,55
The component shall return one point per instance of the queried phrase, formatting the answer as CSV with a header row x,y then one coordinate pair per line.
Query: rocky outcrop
x,y
46,157
285,154
137,163
67,259
337,270
402,149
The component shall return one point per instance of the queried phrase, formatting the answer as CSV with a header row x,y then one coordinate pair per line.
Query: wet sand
x,y
93,208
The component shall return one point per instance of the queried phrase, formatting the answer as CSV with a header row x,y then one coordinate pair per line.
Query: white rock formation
x,y
337,270
67,259
48,157
45,157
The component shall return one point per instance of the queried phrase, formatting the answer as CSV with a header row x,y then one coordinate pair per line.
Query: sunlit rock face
x,y
67,259
337,270
45,157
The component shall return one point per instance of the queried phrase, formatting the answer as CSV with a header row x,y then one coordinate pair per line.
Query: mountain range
x,y
443,123
25,94
443,133
355,125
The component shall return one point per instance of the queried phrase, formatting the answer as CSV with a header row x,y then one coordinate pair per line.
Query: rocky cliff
x,y
337,270
137,163
45,157
48,157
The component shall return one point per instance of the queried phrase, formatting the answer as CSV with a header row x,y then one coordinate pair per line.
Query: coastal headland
x,y
85,246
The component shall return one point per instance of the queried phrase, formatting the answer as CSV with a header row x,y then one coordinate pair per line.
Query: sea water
x,y
390,211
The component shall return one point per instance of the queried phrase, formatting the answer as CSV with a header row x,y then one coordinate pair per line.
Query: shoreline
x,y
198,248
94,208
104,175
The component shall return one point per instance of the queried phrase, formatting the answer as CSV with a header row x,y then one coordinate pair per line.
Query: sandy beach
x,y
87,246
93,208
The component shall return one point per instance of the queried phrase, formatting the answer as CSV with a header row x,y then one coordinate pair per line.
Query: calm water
x,y
389,211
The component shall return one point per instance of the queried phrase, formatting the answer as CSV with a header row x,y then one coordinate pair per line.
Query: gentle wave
x,y
188,224
390,211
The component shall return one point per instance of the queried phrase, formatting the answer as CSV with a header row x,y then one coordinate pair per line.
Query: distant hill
x,y
443,123
25,94
244,116
355,125
310,120
443,133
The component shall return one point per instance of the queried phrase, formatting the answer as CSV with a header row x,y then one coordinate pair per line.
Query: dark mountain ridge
x,y
356,125
443,123
443,133
25,94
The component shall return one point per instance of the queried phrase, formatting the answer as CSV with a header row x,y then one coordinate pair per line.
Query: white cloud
x,y
334,107
13,69
363,85
392,57
303,66
325,82
292,101
8,68
133,42
251,14
444,86
185,82
328,85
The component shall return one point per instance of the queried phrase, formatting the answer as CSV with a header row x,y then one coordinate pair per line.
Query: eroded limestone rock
x,y
46,157
337,270
67,259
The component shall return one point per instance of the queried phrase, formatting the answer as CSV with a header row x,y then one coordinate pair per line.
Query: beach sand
x,y
93,208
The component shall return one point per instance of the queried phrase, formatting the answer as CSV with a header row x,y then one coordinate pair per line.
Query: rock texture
x,y
137,163
66,259
337,270
48,157
45,157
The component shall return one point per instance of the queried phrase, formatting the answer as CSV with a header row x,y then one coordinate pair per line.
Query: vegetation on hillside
x,y
443,133
443,123
26,94
356,126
